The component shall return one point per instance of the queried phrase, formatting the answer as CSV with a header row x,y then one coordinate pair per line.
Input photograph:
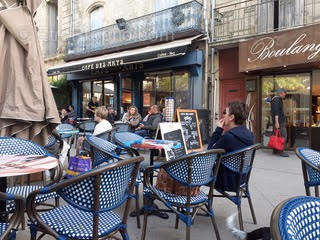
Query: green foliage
x,y
61,91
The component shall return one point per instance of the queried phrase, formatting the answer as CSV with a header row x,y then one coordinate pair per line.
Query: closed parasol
x,y
27,106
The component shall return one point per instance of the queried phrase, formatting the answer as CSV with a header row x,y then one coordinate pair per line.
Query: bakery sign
x,y
292,47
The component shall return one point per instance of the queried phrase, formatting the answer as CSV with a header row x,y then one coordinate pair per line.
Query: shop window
x,y
296,107
98,91
164,89
109,94
126,93
157,87
181,95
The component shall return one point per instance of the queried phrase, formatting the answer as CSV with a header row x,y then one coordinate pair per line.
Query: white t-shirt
x,y
101,127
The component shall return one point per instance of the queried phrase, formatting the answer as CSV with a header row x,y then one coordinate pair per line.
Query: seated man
x,y
149,128
231,134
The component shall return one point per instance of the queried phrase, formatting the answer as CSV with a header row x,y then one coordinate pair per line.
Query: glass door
x,y
296,107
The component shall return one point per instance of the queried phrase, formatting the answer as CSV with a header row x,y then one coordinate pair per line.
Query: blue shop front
x,y
141,77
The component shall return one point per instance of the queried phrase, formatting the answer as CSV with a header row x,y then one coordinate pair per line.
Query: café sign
x,y
129,63
292,47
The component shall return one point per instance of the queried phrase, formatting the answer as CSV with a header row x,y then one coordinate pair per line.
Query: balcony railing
x,y
168,24
249,18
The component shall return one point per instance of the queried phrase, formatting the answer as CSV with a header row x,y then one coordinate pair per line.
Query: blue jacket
x,y
234,139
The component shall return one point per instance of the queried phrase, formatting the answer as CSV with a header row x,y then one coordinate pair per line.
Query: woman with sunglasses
x,y
231,134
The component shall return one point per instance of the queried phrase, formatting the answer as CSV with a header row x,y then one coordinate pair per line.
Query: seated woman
x,y
132,117
103,125
231,134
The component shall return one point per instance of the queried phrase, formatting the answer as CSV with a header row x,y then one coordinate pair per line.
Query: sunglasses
x,y
224,112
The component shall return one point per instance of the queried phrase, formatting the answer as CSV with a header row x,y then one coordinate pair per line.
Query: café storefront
x,y
142,77
289,60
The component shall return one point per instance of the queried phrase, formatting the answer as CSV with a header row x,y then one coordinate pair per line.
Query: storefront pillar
x,y
118,95
137,82
196,86
77,97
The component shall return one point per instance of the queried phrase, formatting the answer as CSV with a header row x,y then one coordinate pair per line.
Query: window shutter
x,y
290,13
265,16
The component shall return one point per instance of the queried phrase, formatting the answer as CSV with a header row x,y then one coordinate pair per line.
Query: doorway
x,y
231,90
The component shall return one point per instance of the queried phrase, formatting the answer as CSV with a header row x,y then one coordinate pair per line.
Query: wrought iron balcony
x,y
250,18
176,22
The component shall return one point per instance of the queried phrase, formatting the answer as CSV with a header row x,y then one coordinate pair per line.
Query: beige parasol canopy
x,y
27,106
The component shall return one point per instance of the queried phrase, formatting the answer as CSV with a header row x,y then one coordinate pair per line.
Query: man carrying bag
x,y
279,121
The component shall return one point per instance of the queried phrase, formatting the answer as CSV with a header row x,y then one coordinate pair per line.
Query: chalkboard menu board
x,y
173,131
191,131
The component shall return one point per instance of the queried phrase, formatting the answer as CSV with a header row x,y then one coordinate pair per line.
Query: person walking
x,y
278,117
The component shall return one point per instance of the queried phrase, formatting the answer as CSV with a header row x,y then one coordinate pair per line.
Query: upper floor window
x,y
280,14
96,18
52,41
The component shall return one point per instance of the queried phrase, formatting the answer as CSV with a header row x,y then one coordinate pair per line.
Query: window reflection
x,y
296,107
157,87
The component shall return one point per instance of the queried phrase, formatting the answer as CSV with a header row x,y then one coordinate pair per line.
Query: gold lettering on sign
x,y
264,49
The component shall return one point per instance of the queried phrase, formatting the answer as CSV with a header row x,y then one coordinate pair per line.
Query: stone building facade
x,y
73,17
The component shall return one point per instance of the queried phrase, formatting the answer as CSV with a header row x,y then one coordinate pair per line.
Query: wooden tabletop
x,y
16,165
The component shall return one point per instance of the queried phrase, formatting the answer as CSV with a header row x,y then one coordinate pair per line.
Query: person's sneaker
x,y
283,154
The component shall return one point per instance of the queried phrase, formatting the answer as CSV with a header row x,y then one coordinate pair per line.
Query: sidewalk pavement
x,y
273,180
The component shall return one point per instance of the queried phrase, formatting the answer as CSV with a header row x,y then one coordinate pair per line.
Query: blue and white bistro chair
x,y
16,146
193,170
8,230
296,218
103,151
86,127
234,183
91,198
310,162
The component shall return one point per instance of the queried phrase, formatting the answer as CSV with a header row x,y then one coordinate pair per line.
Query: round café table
x,y
133,142
17,165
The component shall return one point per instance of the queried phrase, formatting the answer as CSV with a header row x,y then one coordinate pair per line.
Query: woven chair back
x,y
240,161
87,126
311,161
12,146
297,218
195,170
110,186
103,151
